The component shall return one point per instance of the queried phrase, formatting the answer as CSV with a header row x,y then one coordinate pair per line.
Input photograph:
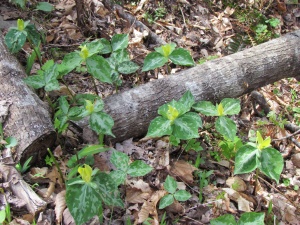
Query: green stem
x,y
50,102
67,86
56,164
94,83
101,139
38,55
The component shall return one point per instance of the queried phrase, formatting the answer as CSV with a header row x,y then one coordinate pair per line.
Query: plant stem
x,y
38,55
56,164
94,83
101,139
50,102
67,86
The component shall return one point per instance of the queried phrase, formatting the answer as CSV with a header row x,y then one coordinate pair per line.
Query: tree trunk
x,y
26,117
230,76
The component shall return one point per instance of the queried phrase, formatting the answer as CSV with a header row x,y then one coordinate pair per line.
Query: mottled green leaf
x,y
245,159
231,106
33,35
159,127
271,163
250,218
226,127
186,126
45,6
182,195
106,46
102,123
206,108
94,47
139,168
14,40
119,41
120,160
154,60
170,185
69,63
127,67
181,57
35,81
118,176
99,68
224,220
166,201
187,100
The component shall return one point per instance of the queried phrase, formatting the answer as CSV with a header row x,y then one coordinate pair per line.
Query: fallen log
x,y
230,76
26,117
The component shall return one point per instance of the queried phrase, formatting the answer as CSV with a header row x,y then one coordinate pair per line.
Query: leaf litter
x,y
205,30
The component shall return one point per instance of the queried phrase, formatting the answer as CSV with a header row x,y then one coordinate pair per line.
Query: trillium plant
x,y
176,120
163,54
259,156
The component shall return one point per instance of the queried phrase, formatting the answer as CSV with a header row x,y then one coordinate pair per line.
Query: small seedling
x,y
170,186
203,181
25,167
8,142
121,161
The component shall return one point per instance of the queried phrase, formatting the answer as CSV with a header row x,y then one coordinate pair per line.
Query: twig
x,y
286,137
182,16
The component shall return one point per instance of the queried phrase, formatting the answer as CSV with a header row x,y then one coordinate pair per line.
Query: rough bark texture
x,y
21,189
27,117
230,76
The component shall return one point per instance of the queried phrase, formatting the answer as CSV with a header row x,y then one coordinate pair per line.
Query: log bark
x,y
27,117
230,76
22,190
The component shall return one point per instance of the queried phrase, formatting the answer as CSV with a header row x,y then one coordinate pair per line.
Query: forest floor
x,y
209,30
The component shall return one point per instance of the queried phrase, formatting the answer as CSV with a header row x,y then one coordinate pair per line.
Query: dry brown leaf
x,y
243,204
183,170
54,176
60,205
236,183
134,195
149,207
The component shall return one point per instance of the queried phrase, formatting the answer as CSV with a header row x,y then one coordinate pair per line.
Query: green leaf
x,y
250,218
186,126
15,40
118,176
181,57
107,190
119,41
69,63
120,160
86,151
261,143
50,76
85,172
182,195
35,81
206,108
30,61
159,127
139,168
187,100
166,201
231,106
164,110
83,201
245,159
106,46
64,104
224,220
94,47
154,60
271,163
119,57
99,68
33,35
11,142
20,3
170,184
102,123
127,67
45,6
226,127
2,215
166,49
